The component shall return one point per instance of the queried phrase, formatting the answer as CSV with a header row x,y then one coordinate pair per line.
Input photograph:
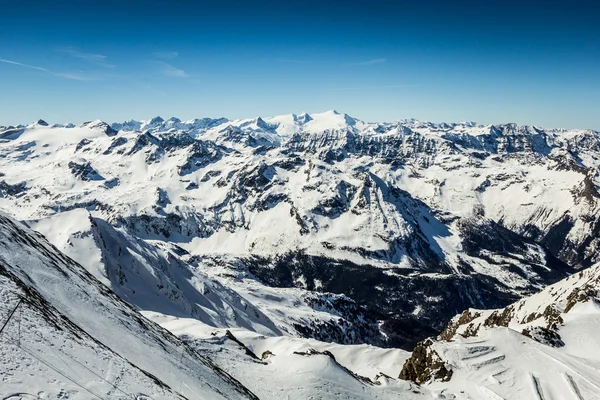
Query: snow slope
x,y
286,228
542,347
73,338
410,205
76,338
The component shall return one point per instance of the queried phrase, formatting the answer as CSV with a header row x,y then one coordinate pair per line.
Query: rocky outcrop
x,y
84,171
425,365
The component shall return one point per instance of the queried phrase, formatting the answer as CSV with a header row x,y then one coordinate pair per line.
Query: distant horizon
x,y
182,119
530,62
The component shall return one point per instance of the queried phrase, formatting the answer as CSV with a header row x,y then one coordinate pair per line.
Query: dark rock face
x,y
580,254
425,365
165,226
103,126
334,146
162,198
333,207
581,295
7,189
387,296
84,142
117,142
84,171
353,325
544,335
466,317
111,183
479,236
209,175
199,155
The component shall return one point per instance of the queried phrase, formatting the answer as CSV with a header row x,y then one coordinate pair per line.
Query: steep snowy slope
x,y
411,221
149,277
293,368
543,346
155,277
71,337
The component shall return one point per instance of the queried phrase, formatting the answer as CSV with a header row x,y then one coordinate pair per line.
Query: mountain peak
x,y
156,120
303,118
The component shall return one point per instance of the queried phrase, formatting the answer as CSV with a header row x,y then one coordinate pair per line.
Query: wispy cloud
x,y
368,62
374,87
166,55
173,72
92,58
66,75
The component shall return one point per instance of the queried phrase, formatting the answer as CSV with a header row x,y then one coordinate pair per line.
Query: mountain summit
x,y
257,233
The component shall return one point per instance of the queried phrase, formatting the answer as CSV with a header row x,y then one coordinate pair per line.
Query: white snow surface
x,y
500,362
102,197
75,338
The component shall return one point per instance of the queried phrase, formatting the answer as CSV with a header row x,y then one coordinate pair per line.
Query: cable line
x,y
11,314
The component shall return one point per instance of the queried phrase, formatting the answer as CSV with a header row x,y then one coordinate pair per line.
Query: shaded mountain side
x,y
390,222
409,306
70,299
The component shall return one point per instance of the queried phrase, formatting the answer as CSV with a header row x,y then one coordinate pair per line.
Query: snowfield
x,y
72,337
543,346
301,256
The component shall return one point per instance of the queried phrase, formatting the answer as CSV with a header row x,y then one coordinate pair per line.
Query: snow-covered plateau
x,y
299,256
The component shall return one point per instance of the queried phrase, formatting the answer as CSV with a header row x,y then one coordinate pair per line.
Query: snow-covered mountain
x,y
394,227
543,346
65,335
246,237
71,337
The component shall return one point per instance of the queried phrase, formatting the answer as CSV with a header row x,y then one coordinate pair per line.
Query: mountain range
x,y
282,234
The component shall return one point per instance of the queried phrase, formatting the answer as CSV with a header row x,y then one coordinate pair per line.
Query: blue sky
x,y
488,61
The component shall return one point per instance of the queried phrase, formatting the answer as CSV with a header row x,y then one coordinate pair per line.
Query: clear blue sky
x,y
535,62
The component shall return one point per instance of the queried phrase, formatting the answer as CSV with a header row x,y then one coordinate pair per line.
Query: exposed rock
x,y
6,189
464,318
249,352
425,365
84,171
544,335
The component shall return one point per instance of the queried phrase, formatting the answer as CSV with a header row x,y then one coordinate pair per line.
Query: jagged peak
x,y
156,120
302,117
40,122
261,123
99,124
93,123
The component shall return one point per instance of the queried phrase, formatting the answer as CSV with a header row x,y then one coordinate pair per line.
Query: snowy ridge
x,y
65,307
542,346
73,338
249,239
410,204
